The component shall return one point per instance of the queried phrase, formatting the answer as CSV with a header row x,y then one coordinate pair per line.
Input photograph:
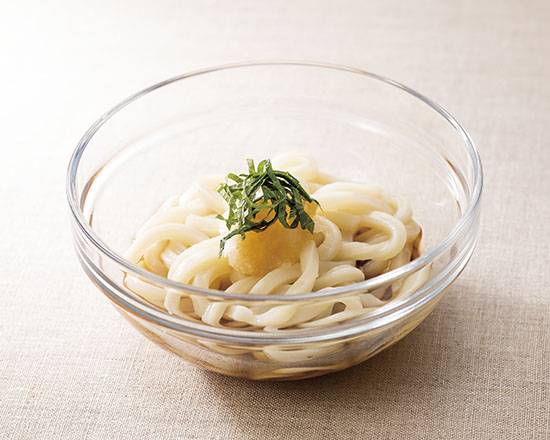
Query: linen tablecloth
x,y
477,368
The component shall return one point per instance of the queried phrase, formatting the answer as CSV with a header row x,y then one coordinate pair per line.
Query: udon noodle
x,y
360,232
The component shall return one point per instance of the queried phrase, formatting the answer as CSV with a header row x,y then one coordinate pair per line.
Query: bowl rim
x,y
464,222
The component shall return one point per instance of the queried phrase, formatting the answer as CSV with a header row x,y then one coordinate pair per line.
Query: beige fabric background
x,y
477,368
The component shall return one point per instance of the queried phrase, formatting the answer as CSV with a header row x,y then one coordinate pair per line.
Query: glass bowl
x,y
357,125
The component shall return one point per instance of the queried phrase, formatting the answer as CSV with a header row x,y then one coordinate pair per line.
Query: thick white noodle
x,y
360,232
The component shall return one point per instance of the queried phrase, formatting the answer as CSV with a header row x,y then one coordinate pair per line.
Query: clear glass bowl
x,y
358,125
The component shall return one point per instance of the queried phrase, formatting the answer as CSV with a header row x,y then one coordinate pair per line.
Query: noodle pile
x,y
360,232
